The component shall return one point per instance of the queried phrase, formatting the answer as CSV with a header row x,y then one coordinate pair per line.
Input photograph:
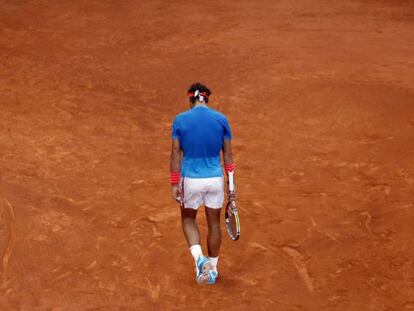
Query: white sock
x,y
196,251
214,262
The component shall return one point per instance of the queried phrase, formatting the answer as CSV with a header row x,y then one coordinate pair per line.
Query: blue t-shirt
x,y
201,132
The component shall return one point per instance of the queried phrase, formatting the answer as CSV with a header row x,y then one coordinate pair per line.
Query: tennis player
x,y
198,137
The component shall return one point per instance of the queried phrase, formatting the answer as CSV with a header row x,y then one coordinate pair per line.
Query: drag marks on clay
x,y
299,261
124,263
371,282
91,265
258,247
10,243
55,220
154,290
318,228
161,217
156,220
64,275
367,222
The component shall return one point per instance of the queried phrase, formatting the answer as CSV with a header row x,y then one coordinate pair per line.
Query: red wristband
x,y
230,167
175,178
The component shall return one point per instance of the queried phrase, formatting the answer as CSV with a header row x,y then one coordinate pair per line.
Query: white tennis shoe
x,y
203,267
212,277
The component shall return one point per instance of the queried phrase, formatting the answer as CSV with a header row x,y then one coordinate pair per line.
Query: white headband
x,y
200,97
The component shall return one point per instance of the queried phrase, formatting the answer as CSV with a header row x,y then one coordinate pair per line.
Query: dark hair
x,y
201,88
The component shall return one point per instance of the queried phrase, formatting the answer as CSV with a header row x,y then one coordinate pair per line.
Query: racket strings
x,y
232,221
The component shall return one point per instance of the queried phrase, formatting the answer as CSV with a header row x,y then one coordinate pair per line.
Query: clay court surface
x,y
320,97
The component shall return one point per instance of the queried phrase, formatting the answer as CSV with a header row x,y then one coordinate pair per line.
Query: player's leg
x,y
214,231
192,200
213,200
190,228
213,241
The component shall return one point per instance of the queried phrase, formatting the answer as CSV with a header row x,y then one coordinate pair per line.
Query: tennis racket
x,y
231,217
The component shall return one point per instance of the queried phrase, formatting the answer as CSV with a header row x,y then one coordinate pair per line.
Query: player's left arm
x,y
229,165
175,168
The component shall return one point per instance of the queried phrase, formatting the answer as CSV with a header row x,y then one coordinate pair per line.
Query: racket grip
x,y
231,181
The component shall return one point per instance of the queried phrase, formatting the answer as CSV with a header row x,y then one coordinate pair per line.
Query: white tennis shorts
x,y
207,191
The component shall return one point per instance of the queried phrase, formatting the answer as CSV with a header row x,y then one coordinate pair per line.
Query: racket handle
x,y
231,181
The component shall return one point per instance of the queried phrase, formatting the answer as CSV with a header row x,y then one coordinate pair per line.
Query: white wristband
x,y
231,181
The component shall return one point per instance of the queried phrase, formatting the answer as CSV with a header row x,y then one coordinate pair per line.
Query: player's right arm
x,y
175,166
175,161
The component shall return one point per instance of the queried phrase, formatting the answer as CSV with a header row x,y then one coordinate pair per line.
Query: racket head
x,y
231,220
